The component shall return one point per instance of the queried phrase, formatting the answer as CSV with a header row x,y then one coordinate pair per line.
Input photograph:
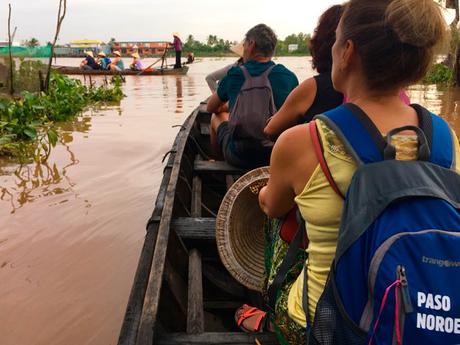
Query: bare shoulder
x,y
294,152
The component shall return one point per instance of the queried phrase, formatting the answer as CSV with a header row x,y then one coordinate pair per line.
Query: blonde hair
x,y
416,22
395,39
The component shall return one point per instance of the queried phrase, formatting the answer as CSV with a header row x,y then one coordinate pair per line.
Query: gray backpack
x,y
253,106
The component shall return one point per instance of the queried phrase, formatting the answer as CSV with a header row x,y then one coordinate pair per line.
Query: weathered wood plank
x,y
223,280
195,228
151,301
196,197
229,181
195,310
217,167
204,129
230,338
130,326
203,109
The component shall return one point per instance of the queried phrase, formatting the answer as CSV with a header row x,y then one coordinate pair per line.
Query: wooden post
x,y
195,311
10,53
61,14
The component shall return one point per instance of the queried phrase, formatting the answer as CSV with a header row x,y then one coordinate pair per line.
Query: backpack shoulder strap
x,y
246,74
267,71
364,142
320,156
439,137
357,133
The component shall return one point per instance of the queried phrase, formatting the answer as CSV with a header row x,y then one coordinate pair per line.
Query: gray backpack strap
x,y
267,71
246,74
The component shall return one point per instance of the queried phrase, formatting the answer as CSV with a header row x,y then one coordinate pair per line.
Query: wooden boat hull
x,y
182,293
78,71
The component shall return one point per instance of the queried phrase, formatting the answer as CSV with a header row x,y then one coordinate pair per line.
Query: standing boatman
x,y
177,43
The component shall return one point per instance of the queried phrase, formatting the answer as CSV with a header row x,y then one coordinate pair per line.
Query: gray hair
x,y
264,38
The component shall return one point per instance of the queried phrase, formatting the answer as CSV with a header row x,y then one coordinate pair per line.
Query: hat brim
x,y
240,230
238,49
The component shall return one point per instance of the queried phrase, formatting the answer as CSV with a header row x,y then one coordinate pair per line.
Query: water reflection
x,y
179,95
440,100
39,179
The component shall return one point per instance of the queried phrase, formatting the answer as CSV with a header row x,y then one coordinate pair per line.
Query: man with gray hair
x,y
248,151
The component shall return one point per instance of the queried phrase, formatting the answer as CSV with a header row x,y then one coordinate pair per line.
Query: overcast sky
x,y
156,20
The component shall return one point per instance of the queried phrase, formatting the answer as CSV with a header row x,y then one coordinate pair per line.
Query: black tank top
x,y
326,97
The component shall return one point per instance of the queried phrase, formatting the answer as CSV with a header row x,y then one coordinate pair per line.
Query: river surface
x,y
71,230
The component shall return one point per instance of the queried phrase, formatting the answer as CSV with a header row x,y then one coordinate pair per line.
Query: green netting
x,y
37,52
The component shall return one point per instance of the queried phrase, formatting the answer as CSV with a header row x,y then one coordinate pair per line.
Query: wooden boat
x,y
182,293
79,71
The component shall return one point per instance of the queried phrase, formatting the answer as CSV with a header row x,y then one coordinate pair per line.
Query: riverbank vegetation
x,y
215,46
27,122
439,74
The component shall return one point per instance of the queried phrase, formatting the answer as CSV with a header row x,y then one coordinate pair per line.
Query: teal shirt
x,y
120,64
283,81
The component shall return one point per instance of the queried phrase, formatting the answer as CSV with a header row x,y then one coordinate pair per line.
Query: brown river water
x,y
71,230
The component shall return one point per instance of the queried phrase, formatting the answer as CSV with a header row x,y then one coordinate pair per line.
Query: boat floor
x,y
182,294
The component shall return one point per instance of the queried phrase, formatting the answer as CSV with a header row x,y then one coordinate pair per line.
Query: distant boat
x,y
77,70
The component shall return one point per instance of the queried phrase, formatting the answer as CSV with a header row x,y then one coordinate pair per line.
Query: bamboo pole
x,y
10,53
60,18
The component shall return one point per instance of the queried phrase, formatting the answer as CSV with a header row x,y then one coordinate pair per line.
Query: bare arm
x,y
291,166
295,106
214,104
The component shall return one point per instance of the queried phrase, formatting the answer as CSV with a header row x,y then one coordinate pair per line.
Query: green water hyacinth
x,y
29,120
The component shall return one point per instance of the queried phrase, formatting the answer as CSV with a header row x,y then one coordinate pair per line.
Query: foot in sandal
x,y
250,319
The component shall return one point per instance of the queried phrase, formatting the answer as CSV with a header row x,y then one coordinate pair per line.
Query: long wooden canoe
x,y
182,293
79,71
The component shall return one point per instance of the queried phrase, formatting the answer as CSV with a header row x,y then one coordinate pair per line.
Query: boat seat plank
x,y
203,108
216,167
224,338
204,129
195,228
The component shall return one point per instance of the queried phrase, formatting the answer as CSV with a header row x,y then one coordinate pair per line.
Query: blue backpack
x,y
395,278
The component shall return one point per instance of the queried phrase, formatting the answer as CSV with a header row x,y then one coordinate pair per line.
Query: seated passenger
x,y
190,57
117,63
381,47
103,61
215,77
136,65
314,95
238,135
89,63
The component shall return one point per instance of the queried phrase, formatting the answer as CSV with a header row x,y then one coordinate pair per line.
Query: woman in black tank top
x,y
315,95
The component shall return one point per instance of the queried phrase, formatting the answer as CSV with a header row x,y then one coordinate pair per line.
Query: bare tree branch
x,y
10,53
60,18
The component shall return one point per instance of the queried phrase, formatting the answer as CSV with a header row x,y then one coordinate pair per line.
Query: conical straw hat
x,y
238,49
240,230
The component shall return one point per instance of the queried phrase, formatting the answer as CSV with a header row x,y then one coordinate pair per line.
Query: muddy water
x,y
71,230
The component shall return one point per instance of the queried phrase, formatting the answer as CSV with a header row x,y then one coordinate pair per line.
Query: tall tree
x,y
60,18
454,53
33,42
10,53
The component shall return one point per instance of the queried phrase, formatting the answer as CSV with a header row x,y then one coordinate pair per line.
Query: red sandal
x,y
248,313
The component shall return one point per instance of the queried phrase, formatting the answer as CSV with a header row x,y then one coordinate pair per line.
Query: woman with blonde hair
x,y
381,47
